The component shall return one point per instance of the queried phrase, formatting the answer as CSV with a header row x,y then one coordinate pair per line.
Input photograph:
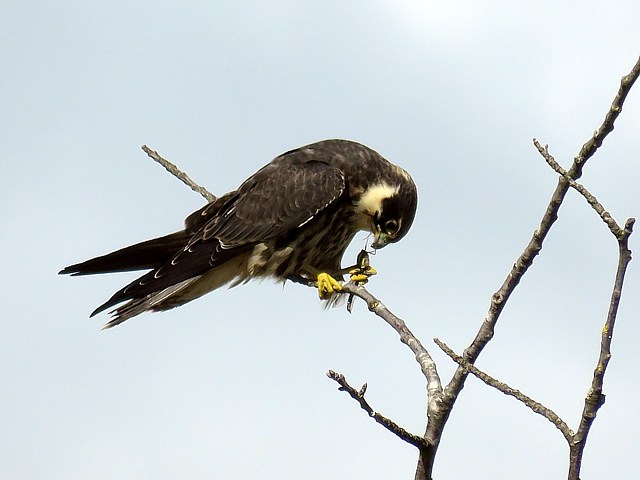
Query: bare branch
x,y
589,197
427,364
356,288
534,247
537,407
595,399
436,424
179,174
358,396
590,147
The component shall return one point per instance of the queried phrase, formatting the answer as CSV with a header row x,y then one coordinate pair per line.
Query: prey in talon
x,y
361,273
292,219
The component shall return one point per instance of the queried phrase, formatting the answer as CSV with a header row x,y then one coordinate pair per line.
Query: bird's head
x,y
391,209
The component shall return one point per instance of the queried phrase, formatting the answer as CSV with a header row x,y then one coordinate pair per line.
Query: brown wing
x,y
276,200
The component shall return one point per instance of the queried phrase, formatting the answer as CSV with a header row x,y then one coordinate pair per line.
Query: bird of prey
x,y
292,219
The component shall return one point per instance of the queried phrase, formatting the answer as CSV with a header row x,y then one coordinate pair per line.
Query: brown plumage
x,y
293,218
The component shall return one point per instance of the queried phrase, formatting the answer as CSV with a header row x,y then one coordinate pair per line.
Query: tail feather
x,y
137,306
177,275
141,256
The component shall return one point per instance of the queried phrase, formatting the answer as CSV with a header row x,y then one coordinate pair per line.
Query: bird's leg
x,y
327,285
301,279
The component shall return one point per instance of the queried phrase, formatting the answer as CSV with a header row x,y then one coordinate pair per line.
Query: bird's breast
x,y
319,244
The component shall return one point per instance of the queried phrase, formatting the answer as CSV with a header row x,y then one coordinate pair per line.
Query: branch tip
x,y
358,396
179,174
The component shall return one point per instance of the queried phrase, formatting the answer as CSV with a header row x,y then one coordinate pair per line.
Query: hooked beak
x,y
381,240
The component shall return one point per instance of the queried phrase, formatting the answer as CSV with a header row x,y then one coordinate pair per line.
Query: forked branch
x,y
595,399
422,356
588,196
525,260
537,407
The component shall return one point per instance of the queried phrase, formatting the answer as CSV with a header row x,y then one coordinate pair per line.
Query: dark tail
x,y
141,256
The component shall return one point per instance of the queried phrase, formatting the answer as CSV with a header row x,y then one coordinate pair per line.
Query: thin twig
x,y
595,399
358,396
179,174
537,407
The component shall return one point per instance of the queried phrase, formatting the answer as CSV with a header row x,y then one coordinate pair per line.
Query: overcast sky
x,y
233,385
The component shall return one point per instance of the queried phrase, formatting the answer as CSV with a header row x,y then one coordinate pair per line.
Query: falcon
x,y
291,220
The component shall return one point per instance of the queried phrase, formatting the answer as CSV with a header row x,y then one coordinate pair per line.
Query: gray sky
x,y
233,385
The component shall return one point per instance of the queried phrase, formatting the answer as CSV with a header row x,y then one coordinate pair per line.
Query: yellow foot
x,y
361,276
327,285
361,273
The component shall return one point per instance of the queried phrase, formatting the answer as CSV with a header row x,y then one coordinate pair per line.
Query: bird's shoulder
x,y
284,194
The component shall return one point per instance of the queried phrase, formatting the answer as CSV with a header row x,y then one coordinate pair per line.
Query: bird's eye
x,y
391,227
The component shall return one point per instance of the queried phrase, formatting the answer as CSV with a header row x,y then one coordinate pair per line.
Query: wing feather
x,y
279,198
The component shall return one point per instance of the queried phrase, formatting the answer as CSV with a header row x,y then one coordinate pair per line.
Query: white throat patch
x,y
372,198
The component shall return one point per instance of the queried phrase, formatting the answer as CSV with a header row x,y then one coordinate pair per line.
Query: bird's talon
x,y
327,285
358,278
361,275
